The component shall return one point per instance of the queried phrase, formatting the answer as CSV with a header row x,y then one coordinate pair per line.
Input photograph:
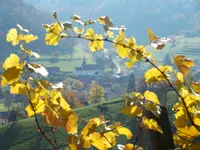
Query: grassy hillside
x,y
24,134
66,62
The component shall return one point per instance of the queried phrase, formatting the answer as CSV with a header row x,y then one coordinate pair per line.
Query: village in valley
x,y
87,83
86,78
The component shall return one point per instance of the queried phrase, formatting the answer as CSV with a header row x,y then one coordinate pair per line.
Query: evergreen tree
x,y
131,83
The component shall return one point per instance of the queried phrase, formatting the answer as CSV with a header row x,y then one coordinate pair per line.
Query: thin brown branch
x,y
36,119
138,135
54,137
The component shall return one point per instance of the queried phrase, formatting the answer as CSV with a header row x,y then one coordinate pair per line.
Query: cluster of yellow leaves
x,y
192,102
96,40
103,140
127,48
136,101
53,107
54,33
15,38
188,133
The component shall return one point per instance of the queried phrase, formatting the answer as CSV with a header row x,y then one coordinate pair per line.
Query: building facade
x,y
88,69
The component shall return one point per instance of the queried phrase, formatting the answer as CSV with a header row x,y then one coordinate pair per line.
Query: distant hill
x,y
16,11
165,17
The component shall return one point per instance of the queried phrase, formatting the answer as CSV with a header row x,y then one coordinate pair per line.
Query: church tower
x,y
84,62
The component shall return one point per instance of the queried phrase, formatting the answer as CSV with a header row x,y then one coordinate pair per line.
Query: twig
x,y
36,119
137,136
54,137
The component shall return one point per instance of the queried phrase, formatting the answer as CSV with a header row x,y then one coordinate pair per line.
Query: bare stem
x,y
36,119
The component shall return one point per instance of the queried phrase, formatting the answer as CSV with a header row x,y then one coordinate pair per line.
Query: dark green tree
x,y
131,83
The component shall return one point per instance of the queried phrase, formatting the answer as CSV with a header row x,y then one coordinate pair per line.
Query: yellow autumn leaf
x,y
92,46
75,17
10,76
11,61
181,118
109,34
28,38
99,43
72,140
106,21
52,39
135,54
119,39
152,36
129,147
91,126
98,141
12,36
124,131
78,31
197,121
153,108
89,34
183,64
53,34
196,87
62,118
190,100
151,124
151,96
36,109
131,42
188,132
71,125
180,77
18,88
85,141
109,139
154,75
122,52
129,64
132,111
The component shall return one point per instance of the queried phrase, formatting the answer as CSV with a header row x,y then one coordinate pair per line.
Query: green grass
x,y
2,107
24,134
65,65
